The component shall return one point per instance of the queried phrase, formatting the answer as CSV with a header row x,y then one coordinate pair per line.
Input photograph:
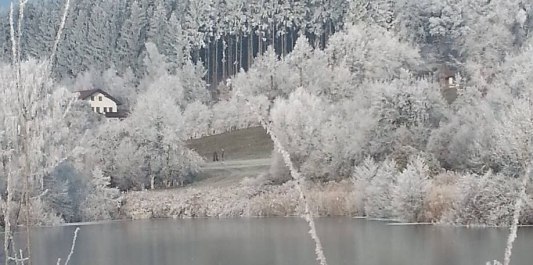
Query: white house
x,y
102,103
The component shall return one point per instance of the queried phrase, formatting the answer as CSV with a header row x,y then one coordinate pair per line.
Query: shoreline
x,y
239,200
242,200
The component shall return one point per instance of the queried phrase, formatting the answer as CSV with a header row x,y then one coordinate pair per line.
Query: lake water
x,y
276,241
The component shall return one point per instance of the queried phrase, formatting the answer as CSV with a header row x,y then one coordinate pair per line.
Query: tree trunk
x,y
272,38
237,60
224,58
283,45
241,52
215,74
330,30
292,40
208,62
7,219
250,49
229,55
260,44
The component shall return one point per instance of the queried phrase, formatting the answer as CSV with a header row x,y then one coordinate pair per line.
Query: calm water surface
x,y
276,241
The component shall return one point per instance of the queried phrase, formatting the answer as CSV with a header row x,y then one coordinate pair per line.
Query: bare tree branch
x,y
300,181
73,245
59,32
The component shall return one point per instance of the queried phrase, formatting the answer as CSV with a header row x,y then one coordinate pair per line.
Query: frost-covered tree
x,y
380,192
184,81
437,26
194,86
197,120
411,190
373,12
159,132
154,62
157,23
462,141
485,199
129,43
197,22
297,122
372,53
32,111
512,141
363,174
37,138
406,111
175,44
266,77
102,201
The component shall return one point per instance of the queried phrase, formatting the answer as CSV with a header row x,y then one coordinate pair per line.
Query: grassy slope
x,y
246,154
251,143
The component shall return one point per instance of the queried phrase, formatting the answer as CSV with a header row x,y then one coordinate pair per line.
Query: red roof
x,y
84,94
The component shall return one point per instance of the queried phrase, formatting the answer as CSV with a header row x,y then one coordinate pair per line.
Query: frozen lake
x,y
276,241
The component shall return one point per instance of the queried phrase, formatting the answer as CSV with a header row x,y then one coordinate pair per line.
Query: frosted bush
x,y
279,172
362,176
42,214
485,200
380,192
441,196
410,191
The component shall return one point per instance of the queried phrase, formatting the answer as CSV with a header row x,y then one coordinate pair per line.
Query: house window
x,y
110,109
98,109
93,109
100,98
92,98
105,109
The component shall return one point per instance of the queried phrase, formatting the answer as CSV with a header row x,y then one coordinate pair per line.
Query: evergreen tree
x,y
102,201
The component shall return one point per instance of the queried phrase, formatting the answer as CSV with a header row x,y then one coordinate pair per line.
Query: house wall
x,y
99,101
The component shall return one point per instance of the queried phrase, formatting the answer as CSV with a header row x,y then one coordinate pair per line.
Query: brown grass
x,y
242,200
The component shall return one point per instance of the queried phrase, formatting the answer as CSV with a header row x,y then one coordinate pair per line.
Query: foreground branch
x,y
516,215
71,248
516,219
73,245
300,181
60,32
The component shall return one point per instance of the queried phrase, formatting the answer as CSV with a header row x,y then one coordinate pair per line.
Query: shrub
x,y
485,200
379,192
410,191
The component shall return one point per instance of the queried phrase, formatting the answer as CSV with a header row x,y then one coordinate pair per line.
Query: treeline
x,y
225,36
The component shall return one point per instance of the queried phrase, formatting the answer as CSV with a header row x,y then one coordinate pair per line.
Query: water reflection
x,y
275,241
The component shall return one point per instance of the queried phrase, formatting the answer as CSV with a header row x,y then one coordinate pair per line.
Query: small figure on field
x,y
215,156
222,154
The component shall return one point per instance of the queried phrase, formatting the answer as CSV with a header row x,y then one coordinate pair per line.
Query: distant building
x,y
103,103
447,79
